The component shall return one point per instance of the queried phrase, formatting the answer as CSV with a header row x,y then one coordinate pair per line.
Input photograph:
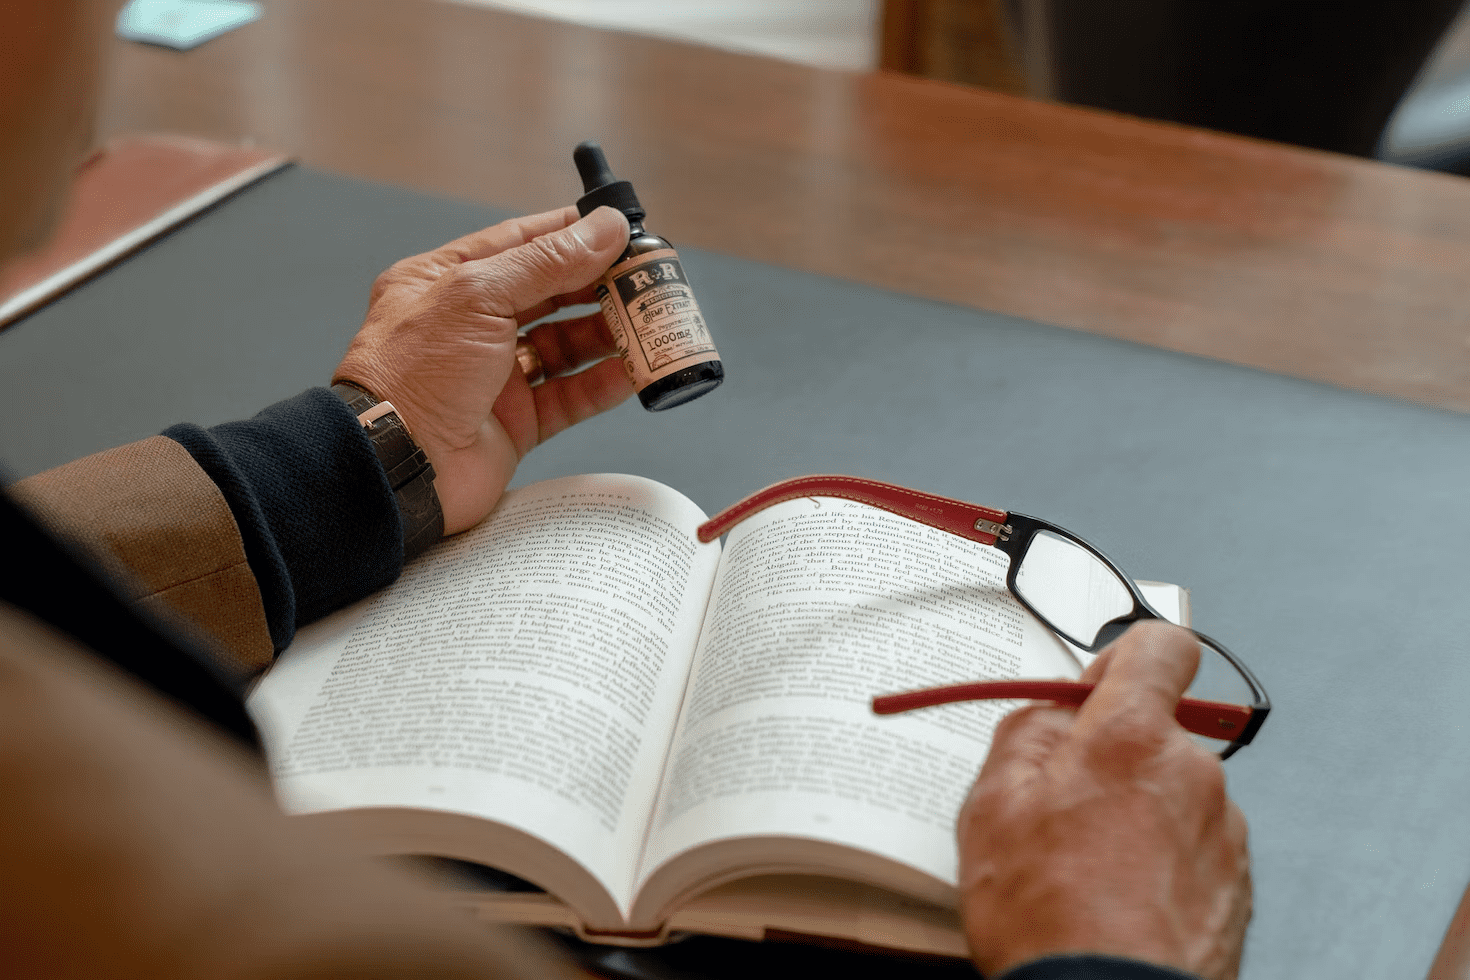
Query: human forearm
x,y
160,529
245,530
316,516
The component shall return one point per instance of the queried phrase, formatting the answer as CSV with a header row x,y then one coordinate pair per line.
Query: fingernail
x,y
603,228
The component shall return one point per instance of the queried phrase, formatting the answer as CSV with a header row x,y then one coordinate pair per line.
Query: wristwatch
x,y
407,466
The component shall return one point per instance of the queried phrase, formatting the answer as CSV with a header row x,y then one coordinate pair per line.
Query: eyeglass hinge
x,y
1002,532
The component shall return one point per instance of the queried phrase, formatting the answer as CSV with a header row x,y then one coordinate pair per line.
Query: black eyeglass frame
x,y
1015,536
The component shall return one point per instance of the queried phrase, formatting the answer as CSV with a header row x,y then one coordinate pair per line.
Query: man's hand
x,y
439,343
1107,829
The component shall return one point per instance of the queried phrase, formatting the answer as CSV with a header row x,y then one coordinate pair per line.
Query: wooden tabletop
x,y
1303,263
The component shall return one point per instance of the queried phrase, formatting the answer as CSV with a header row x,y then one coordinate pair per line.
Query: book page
x,y
528,671
820,604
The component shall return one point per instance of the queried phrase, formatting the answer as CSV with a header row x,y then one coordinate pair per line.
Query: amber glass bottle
x,y
646,300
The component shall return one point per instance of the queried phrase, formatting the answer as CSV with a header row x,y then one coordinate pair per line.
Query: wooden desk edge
x,y
1337,270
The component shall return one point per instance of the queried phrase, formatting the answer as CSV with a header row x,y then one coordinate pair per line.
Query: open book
x,y
662,735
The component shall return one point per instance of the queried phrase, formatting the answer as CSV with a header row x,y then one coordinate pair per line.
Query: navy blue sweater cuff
x,y
320,524
1092,967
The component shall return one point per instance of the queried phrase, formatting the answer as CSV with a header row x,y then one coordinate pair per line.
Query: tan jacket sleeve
x,y
138,843
155,521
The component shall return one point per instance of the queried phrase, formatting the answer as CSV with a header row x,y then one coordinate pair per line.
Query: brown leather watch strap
x,y
409,472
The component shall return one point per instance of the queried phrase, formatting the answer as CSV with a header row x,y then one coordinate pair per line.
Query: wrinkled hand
x,y
1107,829
439,343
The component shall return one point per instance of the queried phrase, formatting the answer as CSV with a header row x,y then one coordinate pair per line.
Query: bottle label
x,y
654,319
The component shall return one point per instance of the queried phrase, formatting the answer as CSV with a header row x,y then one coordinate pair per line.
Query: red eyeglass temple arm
x,y
1212,719
970,521
977,523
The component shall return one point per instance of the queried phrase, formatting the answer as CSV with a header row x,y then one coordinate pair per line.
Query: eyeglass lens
x,y
1070,587
1078,594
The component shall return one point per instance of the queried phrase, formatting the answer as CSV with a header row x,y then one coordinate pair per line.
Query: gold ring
x,y
530,361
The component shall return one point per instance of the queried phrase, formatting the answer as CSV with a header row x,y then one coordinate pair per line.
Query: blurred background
x,y
1387,78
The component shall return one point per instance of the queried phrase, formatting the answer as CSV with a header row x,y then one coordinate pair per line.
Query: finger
x,y
565,345
509,234
563,402
1024,740
1099,666
553,264
586,295
1148,670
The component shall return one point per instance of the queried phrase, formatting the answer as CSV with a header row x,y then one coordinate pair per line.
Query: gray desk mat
x,y
1323,532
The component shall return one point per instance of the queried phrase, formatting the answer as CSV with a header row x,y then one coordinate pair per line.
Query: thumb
x,y
1147,671
561,261
1023,741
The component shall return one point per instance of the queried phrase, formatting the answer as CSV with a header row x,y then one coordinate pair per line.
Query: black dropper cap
x,y
601,186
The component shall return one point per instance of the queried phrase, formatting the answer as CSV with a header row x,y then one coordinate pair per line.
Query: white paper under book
x,y
664,735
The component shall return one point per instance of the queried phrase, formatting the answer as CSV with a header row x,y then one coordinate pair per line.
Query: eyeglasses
x,y
1070,586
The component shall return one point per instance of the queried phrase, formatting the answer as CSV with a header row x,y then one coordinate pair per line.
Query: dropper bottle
x,y
646,299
